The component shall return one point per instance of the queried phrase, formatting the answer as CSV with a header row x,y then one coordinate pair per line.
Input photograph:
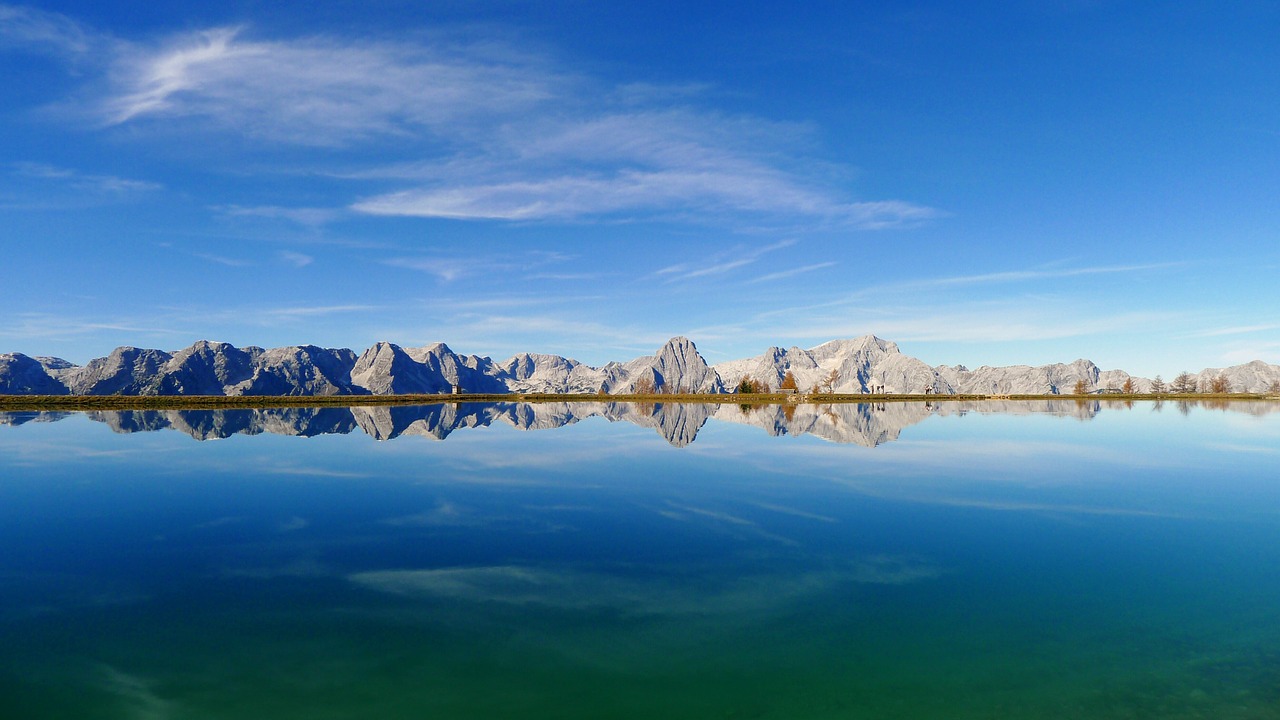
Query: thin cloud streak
x,y
720,264
81,181
504,134
790,273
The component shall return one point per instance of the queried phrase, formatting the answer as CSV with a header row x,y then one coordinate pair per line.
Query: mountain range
x,y
861,365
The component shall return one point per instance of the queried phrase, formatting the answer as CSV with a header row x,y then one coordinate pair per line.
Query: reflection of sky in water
x,y
979,564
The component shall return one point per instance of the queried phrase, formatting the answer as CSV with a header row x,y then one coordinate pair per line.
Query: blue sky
x,y
991,183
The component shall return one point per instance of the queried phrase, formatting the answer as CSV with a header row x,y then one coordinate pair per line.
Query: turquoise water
x,y
984,561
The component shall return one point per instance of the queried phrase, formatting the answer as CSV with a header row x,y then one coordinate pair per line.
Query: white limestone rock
x,y
1252,377
860,365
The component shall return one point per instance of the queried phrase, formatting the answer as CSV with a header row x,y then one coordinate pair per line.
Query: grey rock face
x,y
126,371
1253,377
388,369
300,370
861,365
22,375
676,367
537,373
206,368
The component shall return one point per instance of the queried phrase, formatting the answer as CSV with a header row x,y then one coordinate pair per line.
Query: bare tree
x,y
644,386
1274,387
828,384
1081,387
1157,386
1127,387
1220,385
1184,383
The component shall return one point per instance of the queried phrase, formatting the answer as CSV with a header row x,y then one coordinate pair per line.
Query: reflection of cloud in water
x,y
445,514
894,570
139,700
293,523
1237,447
569,589
794,511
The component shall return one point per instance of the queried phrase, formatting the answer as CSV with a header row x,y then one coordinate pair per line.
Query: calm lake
x,y
997,560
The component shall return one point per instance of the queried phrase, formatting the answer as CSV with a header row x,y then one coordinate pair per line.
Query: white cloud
x,y
43,30
81,181
319,91
310,216
499,133
296,259
223,260
720,263
792,272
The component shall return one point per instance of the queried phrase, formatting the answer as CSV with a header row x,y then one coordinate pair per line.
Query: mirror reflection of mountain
x,y
866,424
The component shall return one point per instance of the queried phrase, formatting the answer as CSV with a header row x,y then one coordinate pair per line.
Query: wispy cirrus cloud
x,y
453,267
783,274
319,90
296,259
41,30
309,216
721,263
58,186
485,130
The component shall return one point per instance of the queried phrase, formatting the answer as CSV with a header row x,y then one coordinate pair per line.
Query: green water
x,y
1037,562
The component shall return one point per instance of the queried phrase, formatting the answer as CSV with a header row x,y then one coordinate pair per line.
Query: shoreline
x,y
37,403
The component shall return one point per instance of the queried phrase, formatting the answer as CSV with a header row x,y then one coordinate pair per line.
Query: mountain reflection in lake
x,y
1031,560
866,424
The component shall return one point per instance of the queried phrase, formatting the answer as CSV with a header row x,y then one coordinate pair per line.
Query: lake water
x,y
1041,560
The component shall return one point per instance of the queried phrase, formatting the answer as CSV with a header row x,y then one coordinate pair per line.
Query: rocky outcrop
x,y
126,371
22,375
301,370
862,365
537,373
1253,377
676,367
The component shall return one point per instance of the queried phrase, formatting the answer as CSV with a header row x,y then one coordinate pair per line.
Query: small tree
x,y
1127,387
644,386
1081,387
1184,383
827,385
1220,385
1274,387
788,382
1157,386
